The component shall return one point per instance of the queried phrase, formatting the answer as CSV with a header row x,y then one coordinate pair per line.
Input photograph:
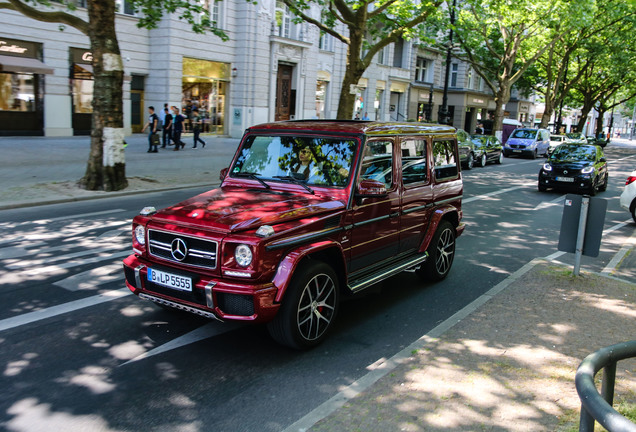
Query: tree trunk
x,y
106,168
501,98
547,113
353,73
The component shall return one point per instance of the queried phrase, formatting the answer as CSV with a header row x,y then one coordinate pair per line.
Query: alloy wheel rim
x,y
316,307
445,251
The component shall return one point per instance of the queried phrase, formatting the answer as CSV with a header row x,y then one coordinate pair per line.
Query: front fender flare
x,y
289,263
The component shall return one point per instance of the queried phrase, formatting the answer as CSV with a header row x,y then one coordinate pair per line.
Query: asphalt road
x,y
80,353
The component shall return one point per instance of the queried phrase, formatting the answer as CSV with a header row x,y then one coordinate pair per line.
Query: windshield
x,y
479,140
573,135
321,161
524,133
556,138
573,153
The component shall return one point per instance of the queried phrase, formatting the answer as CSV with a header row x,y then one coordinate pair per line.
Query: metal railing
x,y
595,406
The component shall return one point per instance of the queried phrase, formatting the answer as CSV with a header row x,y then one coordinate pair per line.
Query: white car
x,y
575,138
628,197
555,140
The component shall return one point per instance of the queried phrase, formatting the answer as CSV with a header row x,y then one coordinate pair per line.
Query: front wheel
x,y
309,307
500,159
441,252
470,161
482,160
603,187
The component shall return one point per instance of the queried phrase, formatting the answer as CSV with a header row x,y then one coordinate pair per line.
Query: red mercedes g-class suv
x,y
308,211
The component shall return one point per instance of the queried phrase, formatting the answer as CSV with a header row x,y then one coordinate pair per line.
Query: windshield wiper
x,y
296,181
253,176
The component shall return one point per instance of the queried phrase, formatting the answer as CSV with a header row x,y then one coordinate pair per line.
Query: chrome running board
x,y
373,278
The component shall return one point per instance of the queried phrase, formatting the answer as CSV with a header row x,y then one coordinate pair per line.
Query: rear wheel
x,y
309,307
482,160
441,253
500,159
633,209
470,161
603,187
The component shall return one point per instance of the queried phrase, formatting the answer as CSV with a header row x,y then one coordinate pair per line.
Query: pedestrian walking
x,y
177,128
152,125
196,127
167,128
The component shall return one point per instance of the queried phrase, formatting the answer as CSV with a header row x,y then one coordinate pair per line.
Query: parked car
x,y
528,142
576,167
466,149
555,140
487,148
306,213
628,197
575,138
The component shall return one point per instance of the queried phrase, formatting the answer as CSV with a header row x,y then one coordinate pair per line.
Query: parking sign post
x,y
580,236
582,227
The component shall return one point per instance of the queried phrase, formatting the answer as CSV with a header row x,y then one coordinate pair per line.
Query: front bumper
x,y
518,150
628,196
579,183
211,297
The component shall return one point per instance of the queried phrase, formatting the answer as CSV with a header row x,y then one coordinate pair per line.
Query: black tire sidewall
x,y
284,328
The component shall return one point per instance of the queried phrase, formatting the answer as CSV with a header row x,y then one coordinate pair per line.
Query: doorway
x,y
284,93
136,108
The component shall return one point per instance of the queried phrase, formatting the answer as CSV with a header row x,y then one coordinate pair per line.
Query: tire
x,y
633,209
506,154
533,155
470,161
499,160
542,188
441,253
603,187
592,190
482,160
309,307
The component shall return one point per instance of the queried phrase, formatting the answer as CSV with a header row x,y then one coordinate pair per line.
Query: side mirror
x,y
223,174
369,188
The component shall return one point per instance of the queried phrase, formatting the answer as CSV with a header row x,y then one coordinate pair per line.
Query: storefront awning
x,y
23,64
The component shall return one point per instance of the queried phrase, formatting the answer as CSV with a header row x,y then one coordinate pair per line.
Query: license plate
x,y
516,151
170,280
566,179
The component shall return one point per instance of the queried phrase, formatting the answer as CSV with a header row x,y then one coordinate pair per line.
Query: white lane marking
x,y
480,197
90,279
546,204
204,332
611,266
77,216
53,311
40,273
70,256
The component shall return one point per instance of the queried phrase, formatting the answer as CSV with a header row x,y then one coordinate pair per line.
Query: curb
x,y
37,203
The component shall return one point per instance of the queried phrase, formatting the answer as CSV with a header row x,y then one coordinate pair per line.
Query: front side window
x,y
377,162
321,161
414,161
17,92
445,160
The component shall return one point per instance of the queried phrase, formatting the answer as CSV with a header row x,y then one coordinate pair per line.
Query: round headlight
x,y
243,255
140,234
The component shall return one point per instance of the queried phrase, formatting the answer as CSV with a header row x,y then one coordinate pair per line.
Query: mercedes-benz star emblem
x,y
565,171
178,249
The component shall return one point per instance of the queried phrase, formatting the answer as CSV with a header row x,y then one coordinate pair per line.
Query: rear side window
x,y
445,160
414,161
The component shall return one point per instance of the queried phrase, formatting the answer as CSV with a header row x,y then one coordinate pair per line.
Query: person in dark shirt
x,y
177,128
167,128
152,125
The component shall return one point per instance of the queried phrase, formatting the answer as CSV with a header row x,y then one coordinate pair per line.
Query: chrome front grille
x,y
184,249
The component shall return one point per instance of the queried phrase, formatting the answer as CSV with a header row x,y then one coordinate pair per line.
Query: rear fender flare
x,y
449,213
290,262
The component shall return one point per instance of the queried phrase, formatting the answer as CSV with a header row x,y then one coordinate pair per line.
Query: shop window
x,y
82,96
205,87
17,92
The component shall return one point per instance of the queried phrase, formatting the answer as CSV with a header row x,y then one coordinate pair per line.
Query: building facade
x,y
270,69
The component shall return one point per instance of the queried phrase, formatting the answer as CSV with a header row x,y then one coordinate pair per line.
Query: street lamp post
x,y
443,115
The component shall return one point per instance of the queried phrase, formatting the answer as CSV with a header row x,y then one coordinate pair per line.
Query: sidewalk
x,y
44,170
508,366
506,363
